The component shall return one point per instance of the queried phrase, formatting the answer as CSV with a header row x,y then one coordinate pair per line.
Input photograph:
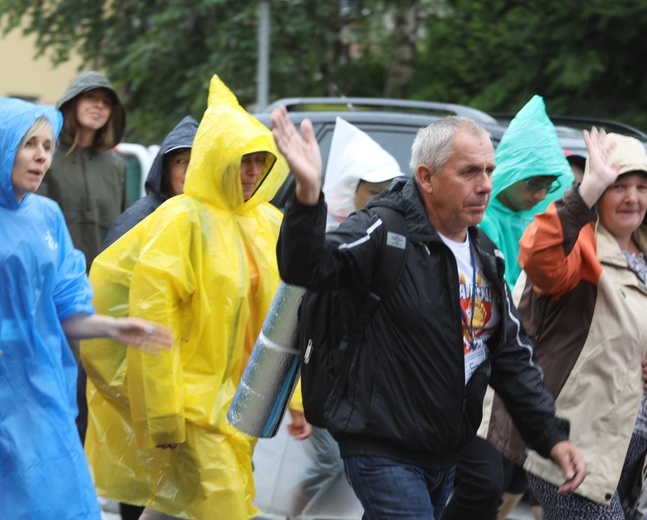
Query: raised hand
x,y
302,153
601,174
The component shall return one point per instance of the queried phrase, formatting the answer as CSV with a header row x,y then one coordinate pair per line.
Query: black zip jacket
x,y
407,399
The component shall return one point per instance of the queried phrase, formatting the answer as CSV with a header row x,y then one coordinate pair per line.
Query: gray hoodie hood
x,y
180,137
90,80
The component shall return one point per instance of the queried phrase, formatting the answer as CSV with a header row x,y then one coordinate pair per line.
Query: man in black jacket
x,y
447,330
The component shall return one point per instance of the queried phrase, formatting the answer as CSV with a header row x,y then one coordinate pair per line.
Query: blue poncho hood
x,y
16,117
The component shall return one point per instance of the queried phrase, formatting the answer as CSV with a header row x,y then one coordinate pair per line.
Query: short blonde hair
x,y
42,124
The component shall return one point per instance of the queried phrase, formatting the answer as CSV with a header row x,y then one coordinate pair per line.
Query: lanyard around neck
x,y
469,325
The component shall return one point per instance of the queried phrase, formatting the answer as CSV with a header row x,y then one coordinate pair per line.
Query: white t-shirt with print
x,y
486,313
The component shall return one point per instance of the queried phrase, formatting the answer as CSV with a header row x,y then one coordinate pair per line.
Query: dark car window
x,y
395,132
395,140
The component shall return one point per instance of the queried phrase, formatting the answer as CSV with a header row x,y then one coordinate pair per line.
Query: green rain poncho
x,y
204,264
529,147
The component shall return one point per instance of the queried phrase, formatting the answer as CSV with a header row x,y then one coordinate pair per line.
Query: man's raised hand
x,y
301,152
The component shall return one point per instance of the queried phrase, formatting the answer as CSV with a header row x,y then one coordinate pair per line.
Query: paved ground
x,y
109,510
522,512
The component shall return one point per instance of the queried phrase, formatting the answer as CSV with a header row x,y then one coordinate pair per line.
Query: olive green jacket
x,y
90,187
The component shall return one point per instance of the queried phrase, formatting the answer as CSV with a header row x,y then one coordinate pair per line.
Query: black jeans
x,y
82,403
478,484
130,512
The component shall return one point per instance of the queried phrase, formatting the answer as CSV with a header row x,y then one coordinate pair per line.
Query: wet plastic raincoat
x,y
354,156
204,263
529,147
43,471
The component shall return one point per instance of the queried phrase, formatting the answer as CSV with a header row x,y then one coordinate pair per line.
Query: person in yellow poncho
x,y
204,263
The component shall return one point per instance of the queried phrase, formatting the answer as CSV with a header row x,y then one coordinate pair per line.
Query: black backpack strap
x,y
391,262
387,274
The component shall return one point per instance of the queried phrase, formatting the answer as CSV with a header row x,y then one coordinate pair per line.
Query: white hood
x,y
354,156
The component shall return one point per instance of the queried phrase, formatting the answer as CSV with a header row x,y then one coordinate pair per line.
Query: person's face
x,y
177,166
31,163
93,108
251,169
526,193
456,197
367,190
623,204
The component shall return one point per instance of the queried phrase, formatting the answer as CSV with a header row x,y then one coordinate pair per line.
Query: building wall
x,y
37,80
29,78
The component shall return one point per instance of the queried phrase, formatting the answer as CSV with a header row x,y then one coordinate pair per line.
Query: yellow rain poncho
x,y
204,264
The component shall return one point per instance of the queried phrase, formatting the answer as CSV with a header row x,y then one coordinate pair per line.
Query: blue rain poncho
x,y
204,263
43,471
529,147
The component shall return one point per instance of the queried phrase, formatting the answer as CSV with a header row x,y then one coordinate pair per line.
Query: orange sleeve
x,y
551,262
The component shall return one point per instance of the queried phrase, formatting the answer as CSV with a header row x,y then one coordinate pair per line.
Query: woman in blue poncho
x,y
45,298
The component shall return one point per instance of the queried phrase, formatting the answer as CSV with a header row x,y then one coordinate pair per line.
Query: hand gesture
x,y
145,335
600,174
151,337
571,462
302,153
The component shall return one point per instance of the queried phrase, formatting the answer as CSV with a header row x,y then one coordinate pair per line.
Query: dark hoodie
x,y
88,185
180,137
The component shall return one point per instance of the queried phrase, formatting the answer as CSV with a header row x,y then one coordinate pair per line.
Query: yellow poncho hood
x,y
226,133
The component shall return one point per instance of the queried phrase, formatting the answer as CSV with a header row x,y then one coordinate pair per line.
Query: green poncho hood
x,y
529,147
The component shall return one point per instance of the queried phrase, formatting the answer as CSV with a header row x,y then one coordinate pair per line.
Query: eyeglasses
x,y
534,186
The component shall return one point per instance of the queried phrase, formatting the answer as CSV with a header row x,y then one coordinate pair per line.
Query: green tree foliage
x,y
162,54
584,58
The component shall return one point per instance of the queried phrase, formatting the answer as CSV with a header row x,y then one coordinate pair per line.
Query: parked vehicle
x,y
138,161
569,130
393,123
